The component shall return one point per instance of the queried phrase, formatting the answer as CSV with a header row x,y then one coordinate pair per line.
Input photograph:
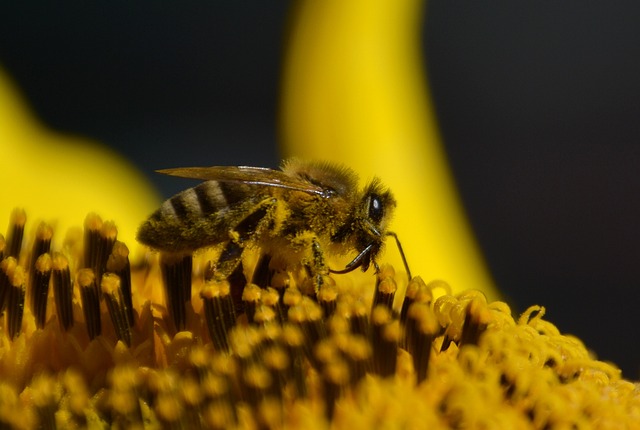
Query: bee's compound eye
x,y
375,208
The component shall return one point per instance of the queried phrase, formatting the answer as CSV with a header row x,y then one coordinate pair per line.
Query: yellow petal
x,y
60,177
354,92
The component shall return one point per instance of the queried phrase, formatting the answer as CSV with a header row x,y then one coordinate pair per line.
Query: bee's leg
x,y
231,254
316,265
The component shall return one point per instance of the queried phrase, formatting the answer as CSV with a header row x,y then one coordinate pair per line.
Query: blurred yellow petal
x,y
61,178
354,92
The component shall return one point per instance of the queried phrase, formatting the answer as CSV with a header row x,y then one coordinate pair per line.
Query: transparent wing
x,y
248,175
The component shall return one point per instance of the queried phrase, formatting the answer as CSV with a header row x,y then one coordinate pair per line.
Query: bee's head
x,y
370,221
375,211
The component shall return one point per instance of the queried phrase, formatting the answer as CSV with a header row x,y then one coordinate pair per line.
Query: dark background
x,y
539,106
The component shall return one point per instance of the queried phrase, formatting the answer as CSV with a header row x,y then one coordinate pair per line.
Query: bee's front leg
x,y
315,263
258,218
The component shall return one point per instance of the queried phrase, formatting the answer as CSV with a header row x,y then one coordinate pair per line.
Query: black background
x,y
538,104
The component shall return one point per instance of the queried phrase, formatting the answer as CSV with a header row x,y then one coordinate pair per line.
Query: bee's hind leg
x,y
231,254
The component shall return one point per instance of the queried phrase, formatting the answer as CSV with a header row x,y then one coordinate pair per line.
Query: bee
x,y
297,214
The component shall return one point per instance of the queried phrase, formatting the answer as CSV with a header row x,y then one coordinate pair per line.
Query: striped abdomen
x,y
197,217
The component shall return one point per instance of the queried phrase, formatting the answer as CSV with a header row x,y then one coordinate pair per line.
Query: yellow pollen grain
x,y
44,231
251,293
281,279
392,332
269,297
85,277
327,293
215,385
276,358
110,284
18,277
257,376
191,392
292,297
8,266
59,261
219,415
43,263
337,372
18,217
358,348
380,315
386,271
264,314
109,230
326,351
93,222
292,335
419,291
223,364
168,407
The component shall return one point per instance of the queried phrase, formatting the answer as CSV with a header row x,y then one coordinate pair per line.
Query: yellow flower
x,y
354,91
92,336
110,350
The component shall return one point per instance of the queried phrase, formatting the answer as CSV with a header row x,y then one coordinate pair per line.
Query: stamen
x,y
308,315
359,318
272,298
7,267
357,352
219,312
257,382
475,323
123,397
114,296
118,263
327,298
176,273
417,292
76,397
422,327
15,302
292,297
385,288
336,377
16,231
278,363
45,397
92,243
41,244
293,339
385,335
219,415
265,315
251,301
3,246
90,302
40,288
62,290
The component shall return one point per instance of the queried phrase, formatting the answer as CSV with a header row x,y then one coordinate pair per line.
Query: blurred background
x,y
538,104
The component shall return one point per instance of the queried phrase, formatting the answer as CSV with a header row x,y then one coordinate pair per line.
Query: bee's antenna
x,y
404,259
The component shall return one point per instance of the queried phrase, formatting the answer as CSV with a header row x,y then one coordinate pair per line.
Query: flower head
x,y
90,338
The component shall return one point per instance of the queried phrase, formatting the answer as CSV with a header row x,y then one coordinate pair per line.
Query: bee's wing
x,y
248,175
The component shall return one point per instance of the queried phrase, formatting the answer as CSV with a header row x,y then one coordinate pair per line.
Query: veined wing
x,y
249,175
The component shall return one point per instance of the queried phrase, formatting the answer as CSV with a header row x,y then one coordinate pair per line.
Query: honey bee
x,y
296,214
